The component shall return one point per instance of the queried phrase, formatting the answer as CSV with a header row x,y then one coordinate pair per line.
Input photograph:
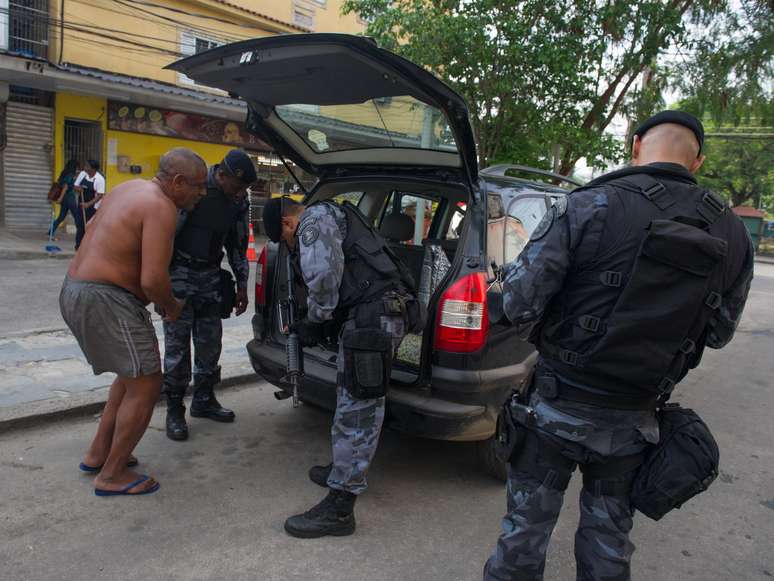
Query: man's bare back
x,y
135,224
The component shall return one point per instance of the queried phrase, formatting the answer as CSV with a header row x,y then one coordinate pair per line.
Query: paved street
x,y
429,514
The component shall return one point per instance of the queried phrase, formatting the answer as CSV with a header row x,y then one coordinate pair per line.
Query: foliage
x,y
730,75
542,76
741,170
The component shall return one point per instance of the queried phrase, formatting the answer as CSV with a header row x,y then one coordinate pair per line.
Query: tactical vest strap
x,y
612,278
551,387
711,207
713,300
591,323
655,191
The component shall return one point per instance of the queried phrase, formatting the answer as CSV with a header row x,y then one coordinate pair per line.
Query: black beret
x,y
677,117
239,165
272,219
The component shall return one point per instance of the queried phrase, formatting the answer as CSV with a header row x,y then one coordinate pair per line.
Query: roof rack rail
x,y
500,169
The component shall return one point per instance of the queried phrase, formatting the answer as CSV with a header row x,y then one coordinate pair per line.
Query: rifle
x,y
293,350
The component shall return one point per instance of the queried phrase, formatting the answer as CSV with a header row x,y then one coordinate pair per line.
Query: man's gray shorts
x,y
112,326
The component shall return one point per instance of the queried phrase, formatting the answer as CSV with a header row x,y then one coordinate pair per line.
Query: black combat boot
x,y
319,475
334,516
176,426
204,405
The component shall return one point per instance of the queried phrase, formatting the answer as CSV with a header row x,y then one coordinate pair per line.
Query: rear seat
x,y
426,267
397,228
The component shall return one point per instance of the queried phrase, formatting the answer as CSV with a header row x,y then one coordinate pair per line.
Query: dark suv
x,y
379,132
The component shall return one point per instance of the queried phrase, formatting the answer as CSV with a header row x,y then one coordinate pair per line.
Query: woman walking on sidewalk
x,y
68,200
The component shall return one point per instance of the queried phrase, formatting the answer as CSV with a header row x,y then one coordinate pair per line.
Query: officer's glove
x,y
309,333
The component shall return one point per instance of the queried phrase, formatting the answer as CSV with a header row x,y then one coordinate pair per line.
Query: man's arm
x,y
530,282
236,250
322,262
722,326
158,228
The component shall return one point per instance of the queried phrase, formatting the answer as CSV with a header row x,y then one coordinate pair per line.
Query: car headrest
x,y
397,227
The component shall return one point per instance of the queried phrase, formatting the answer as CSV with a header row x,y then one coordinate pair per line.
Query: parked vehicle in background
x,y
386,135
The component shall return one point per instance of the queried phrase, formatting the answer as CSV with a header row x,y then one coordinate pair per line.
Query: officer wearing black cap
x,y
621,287
219,221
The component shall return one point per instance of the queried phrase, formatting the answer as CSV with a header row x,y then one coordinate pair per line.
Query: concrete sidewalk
x,y
43,373
26,244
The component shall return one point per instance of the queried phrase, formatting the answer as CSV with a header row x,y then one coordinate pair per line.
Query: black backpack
x,y
683,463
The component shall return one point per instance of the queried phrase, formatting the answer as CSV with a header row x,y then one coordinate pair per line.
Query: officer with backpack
x,y
374,302
621,287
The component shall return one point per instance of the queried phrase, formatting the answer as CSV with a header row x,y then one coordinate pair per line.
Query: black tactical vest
x,y
370,268
202,236
632,323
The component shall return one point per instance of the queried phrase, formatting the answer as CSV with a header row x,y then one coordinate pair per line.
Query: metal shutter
x,y
27,159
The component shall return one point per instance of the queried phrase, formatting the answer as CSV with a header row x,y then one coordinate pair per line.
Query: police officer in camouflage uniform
x,y
350,276
219,220
620,288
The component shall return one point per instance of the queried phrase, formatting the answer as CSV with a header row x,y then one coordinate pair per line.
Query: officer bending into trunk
x,y
351,276
219,220
620,287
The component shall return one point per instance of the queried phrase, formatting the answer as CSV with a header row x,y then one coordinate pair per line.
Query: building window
x,y
193,43
25,27
303,13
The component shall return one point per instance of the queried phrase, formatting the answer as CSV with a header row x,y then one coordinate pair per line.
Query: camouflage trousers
x,y
357,423
602,547
199,320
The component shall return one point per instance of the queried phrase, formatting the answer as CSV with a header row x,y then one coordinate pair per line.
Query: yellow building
x,y
85,79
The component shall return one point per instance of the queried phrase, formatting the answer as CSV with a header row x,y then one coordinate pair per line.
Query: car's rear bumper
x,y
417,411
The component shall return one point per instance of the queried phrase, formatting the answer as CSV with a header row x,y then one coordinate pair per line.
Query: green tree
x,y
741,169
543,79
729,75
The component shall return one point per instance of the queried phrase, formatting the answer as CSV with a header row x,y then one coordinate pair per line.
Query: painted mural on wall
x,y
168,123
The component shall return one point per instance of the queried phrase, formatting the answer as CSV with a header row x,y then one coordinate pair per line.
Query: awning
x,y
40,74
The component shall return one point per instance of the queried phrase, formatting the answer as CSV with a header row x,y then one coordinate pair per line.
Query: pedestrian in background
x,y
90,184
68,198
121,266
621,287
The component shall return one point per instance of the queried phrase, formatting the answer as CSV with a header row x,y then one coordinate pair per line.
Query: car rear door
x,y
335,101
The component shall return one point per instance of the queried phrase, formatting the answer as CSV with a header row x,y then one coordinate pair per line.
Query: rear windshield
x,y
400,122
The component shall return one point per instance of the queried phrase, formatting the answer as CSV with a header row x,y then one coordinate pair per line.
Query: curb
x,y
45,411
7,254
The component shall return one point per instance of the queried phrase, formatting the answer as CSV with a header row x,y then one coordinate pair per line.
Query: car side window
x,y
353,198
495,229
457,221
418,208
524,214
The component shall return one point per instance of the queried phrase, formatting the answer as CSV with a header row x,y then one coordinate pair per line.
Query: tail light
x,y
463,320
260,279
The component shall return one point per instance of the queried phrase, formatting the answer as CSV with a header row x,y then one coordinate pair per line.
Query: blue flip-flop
x,y
125,490
94,469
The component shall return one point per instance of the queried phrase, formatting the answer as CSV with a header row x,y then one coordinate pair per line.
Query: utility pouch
x,y
227,294
367,362
683,463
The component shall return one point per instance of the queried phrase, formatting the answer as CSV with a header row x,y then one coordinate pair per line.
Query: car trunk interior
x,y
421,221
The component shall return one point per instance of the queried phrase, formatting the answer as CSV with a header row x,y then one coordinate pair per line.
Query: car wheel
x,y
487,459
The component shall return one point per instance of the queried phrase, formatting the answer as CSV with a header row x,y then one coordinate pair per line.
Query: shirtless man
x,y
121,266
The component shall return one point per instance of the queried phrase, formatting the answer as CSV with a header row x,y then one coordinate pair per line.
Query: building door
x,y
83,141
27,161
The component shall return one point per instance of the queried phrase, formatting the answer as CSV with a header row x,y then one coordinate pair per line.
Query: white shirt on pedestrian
x,y
98,181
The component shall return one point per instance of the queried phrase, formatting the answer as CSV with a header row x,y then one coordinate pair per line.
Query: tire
x,y
489,462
